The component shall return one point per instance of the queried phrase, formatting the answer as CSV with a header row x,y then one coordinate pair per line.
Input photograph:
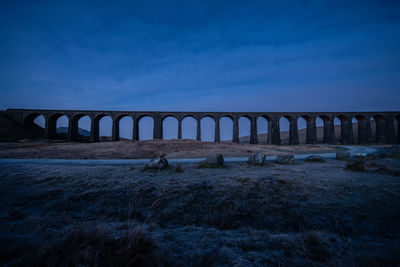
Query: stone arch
x,y
362,129
189,127
208,125
146,127
290,135
310,128
169,127
52,125
326,131
169,115
378,131
343,129
263,129
226,127
29,121
79,127
244,122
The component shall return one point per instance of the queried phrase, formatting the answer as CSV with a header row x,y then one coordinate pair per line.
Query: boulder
x,y
213,161
157,163
257,159
356,165
342,155
315,158
284,159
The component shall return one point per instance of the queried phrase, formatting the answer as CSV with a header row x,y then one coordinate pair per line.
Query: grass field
x,y
305,214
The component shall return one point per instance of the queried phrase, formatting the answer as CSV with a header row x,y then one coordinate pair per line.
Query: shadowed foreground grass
x,y
296,215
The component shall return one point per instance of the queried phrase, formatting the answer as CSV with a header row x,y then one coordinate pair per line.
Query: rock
x,y
342,155
284,159
157,163
213,161
315,158
257,159
356,165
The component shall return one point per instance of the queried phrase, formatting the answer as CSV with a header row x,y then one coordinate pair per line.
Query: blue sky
x,y
205,55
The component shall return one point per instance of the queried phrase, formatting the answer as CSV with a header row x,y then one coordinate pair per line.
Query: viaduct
x,y
20,122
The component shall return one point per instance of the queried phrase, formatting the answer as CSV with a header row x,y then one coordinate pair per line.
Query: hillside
x,y
262,138
64,130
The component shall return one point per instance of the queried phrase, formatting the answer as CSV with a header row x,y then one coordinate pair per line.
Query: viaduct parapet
x,y
13,120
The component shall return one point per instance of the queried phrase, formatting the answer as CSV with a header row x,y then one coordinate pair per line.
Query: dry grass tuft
x,y
315,246
178,168
95,247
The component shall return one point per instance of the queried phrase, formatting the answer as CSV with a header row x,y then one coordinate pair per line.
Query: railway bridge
x,y
387,124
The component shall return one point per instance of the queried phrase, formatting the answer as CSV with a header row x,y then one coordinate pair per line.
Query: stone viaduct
x,y
385,124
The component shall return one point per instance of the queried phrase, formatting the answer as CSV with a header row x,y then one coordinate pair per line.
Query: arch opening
x,y
262,130
319,124
169,128
105,129
226,128
40,121
244,130
126,128
354,125
189,128
284,125
337,127
83,133
207,129
146,128
62,127
302,130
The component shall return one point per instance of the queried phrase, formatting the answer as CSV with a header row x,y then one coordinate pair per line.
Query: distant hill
x,y
262,138
64,130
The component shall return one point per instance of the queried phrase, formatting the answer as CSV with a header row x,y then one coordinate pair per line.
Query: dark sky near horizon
x,y
200,55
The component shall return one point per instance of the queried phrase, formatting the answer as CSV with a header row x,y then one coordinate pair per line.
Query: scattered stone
x,y
356,165
157,163
284,159
342,155
213,161
257,159
315,158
